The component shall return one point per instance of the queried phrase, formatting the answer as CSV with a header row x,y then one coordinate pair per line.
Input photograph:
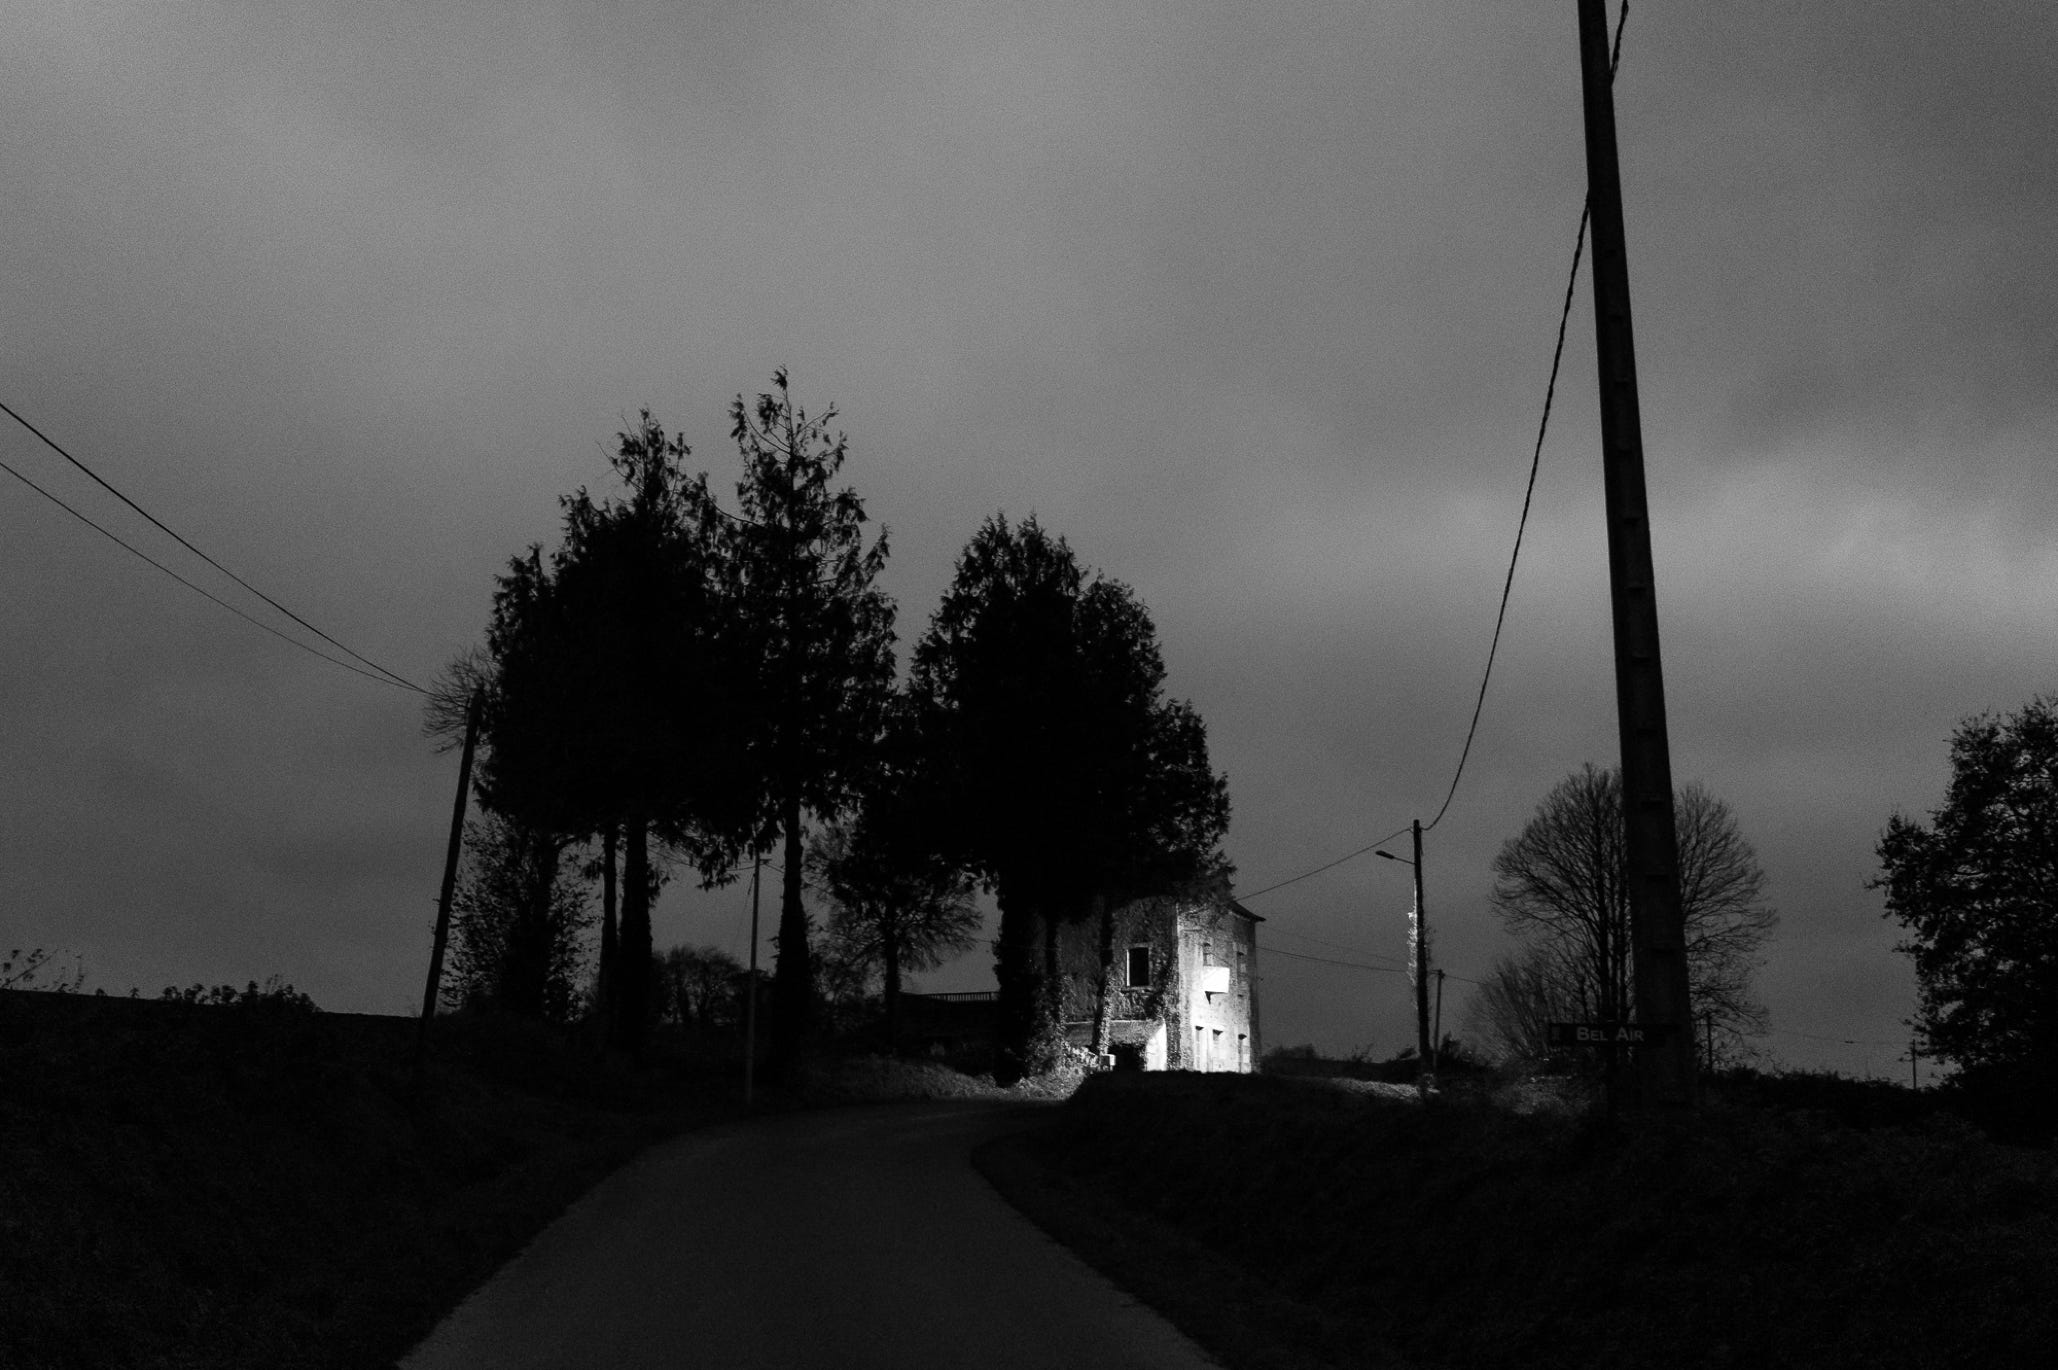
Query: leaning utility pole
x,y
464,785
1657,930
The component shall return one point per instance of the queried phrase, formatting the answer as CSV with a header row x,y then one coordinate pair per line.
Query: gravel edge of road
x,y
1234,1315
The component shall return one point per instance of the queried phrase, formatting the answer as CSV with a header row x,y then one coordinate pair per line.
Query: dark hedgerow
x,y
231,1178
1463,1234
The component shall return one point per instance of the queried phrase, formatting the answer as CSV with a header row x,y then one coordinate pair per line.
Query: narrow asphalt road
x,y
845,1237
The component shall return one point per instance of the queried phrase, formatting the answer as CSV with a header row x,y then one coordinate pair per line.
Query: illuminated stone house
x,y
1183,992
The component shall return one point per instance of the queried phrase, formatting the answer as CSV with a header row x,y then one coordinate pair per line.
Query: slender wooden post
x,y
1425,1064
750,1008
450,855
609,937
1436,1031
1657,927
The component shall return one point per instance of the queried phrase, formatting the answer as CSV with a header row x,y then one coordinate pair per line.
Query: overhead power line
x,y
1347,856
1335,946
198,590
1845,1041
1528,496
1535,461
1332,961
1360,965
392,677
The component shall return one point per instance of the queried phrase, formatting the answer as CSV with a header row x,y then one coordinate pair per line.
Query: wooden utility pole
x,y
464,787
1657,930
1426,1067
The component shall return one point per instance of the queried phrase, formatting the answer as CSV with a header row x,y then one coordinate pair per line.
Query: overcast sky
x,y
1252,303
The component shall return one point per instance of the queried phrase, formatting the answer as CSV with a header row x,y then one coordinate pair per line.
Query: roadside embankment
x,y
245,1181
1464,1234
261,1184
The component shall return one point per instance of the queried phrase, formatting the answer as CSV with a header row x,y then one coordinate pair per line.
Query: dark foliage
x,y
1977,890
1059,772
702,987
39,968
817,653
1463,1235
899,905
604,665
230,1178
517,921
274,996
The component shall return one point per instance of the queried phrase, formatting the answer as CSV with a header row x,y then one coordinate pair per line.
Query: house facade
x,y
1182,990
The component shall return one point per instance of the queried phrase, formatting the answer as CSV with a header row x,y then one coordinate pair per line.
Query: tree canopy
x,y
1060,773
899,904
604,674
1977,890
518,916
818,636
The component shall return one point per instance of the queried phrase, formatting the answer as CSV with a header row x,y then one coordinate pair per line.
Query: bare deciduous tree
x,y
1561,887
1522,995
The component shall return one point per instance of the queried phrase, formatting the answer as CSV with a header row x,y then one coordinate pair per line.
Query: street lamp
x,y
1425,1077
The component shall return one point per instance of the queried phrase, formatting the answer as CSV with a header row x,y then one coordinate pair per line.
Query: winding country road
x,y
847,1237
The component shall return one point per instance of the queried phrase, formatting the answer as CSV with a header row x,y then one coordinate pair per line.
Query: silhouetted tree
x,y
698,986
608,666
898,906
1977,890
1060,774
516,923
1561,886
1521,996
819,637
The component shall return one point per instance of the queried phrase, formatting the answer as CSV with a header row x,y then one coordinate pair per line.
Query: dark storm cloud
x,y
1254,305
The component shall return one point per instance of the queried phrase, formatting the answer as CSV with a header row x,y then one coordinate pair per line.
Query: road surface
x,y
843,1237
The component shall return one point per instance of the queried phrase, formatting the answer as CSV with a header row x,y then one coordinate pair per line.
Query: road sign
x,y
1604,1034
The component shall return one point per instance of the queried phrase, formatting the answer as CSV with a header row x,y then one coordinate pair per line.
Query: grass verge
x,y
1238,1317
255,1183
265,1185
1466,1235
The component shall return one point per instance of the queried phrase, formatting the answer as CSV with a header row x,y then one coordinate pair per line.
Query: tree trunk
x,y
632,955
1050,1000
889,955
530,996
1050,950
793,979
1014,970
608,937
1102,1007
